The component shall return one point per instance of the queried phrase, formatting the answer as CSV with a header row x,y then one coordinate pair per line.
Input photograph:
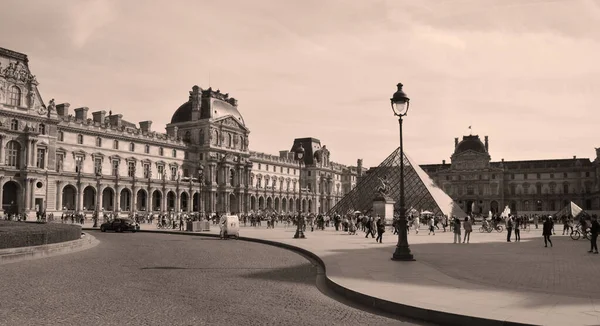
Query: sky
x,y
523,72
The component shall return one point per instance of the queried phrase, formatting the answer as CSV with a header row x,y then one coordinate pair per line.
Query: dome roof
x,y
219,109
472,143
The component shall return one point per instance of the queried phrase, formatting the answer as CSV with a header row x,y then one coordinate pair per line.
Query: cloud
x,y
88,17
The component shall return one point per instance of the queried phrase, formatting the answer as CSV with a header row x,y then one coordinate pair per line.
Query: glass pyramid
x,y
420,192
571,209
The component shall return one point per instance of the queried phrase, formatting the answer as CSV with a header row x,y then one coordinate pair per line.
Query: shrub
x,y
20,234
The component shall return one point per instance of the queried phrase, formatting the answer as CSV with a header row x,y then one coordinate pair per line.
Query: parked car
x,y
120,225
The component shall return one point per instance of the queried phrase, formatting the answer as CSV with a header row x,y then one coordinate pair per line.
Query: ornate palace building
x,y
479,185
55,159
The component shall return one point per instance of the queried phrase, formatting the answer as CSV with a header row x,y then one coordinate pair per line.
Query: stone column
x,y
26,195
133,200
32,194
117,201
58,195
177,201
80,197
2,151
1,191
149,207
98,198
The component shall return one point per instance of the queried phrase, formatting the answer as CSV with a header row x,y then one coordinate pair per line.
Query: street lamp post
x,y
299,156
200,181
400,103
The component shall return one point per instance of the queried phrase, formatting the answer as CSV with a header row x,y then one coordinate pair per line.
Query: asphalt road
x,y
161,279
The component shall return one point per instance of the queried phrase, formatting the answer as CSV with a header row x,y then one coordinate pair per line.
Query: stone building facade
x,y
53,159
479,185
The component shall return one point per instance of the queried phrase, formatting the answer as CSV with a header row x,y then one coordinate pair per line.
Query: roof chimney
x,y
444,162
146,126
81,113
574,157
455,142
63,109
115,120
486,144
99,116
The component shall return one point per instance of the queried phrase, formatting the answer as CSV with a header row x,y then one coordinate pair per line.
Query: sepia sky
x,y
523,72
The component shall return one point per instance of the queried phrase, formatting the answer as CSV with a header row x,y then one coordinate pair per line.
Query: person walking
x,y
431,227
547,231
509,227
456,222
595,229
369,228
468,229
417,224
380,230
517,226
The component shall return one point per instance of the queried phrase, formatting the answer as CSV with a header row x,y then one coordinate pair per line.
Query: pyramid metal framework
x,y
421,193
571,209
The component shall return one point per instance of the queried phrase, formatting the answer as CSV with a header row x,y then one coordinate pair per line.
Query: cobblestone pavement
x,y
161,279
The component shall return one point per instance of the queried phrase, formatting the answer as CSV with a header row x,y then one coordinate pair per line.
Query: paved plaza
x,y
489,278
163,279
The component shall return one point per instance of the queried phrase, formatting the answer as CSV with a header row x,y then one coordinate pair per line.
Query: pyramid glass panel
x,y
420,192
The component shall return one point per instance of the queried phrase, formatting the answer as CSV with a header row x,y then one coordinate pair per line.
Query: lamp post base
x,y
402,254
299,234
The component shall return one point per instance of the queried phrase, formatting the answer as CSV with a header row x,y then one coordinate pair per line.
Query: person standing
x,y
547,231
468,229
509,227
535,220
369,228
380,230
595,229
517,225
456,227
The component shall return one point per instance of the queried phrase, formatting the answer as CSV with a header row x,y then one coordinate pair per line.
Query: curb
x,y
12,255
396,309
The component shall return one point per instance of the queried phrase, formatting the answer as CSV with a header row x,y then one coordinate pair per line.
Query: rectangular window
x,y
131,169
161,151
201,156
115,168
146,170
174,153
41,158
131,147
60,158
266,167
161,172
61,136
98,142
288,170
259,166
147,149
116,144
309,173
539,176
274,168
98,166
79,139
173,173
78,164
281,169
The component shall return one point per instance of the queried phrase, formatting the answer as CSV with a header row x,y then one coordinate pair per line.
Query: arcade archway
x,y
69,197
11,197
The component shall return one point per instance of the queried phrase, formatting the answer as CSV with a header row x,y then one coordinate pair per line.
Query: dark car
x,y
120,225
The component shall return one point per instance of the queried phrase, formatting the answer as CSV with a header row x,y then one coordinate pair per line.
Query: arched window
x,y
14,124
15,96
12,154
42,129
80,139
232,177
229,140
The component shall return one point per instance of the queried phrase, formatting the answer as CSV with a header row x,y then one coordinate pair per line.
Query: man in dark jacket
x,y
594,230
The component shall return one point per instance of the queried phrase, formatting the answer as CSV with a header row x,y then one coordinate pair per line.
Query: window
x,y
98,165
42,129
288,170
173,173
98,142
309,186
61,136
565,175
80,139
201,137
259,183
281,169
309,173
60,158
280,184
266,183
161,172
147,170
15,96
566,188
232,177
14,124
78,164
201,156
41,158
493,176
229,140
266,167
147,149
174,154
131,147
274,168
185,155
259,166
161,151
288,186
13,150
115,144
539,176
538,189
115,168
131,169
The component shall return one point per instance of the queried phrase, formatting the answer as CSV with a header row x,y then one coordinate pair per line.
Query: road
x,y
161,279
